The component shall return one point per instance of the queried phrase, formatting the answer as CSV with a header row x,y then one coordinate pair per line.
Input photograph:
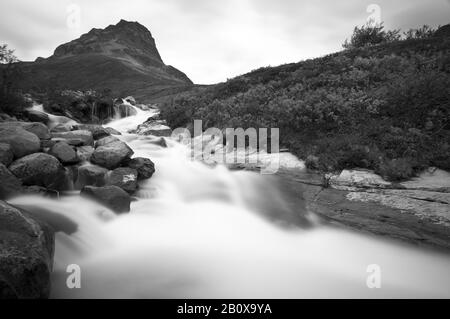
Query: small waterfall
x,y
206,232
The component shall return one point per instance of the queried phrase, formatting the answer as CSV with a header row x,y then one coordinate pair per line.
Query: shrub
x,y
371,34
13,103
396,169
358,108
312,162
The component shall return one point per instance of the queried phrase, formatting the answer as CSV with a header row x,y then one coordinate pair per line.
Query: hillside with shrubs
x,y
383,103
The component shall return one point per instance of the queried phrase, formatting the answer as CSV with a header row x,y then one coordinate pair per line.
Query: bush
x,y
13,103
396,169
369,35
312,162
358,108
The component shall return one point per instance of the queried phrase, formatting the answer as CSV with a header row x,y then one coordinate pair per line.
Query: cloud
x,y
212,40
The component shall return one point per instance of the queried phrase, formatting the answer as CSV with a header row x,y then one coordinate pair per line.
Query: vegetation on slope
x,y
382,105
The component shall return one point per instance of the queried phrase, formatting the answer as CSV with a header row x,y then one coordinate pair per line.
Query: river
x,y
197,231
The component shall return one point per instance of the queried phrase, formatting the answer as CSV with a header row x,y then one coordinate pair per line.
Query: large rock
x,y
40,169
38,129
154,127
144,167
161,141
22,142
112,197
85,152
83,135
97,131
37,116
26,254
91,175
112,155
352,179
61,128
106,140
10,185
123,177
112,131
40,191
65,153
6,154
70,141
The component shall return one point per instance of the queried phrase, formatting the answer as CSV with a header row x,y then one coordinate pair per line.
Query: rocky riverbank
x,y
416,211
50,158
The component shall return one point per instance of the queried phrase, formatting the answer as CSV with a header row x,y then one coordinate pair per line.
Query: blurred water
x,y
197,231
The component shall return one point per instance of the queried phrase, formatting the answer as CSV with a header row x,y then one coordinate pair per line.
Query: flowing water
x,y
196,231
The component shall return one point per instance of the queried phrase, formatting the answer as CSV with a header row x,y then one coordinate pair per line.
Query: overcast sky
x,y
212,40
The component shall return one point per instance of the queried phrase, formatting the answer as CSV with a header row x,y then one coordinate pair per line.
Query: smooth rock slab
x,y
112,197
26,254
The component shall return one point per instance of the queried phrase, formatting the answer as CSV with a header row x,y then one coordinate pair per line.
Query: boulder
x,y
39,190
144,167
39,169
84,153
130,100
160,142
37,116
26,258
97,131
65,153
70,141
155,128
106,140
357,178
62,120
112,197
6,154
123,177
62,128
21,141
83,135
112,131
10,185
112,155
38,129
91,175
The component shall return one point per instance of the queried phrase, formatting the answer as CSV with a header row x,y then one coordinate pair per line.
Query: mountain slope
x,y
121,57
384,107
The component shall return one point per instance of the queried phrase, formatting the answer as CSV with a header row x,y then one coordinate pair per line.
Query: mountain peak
x,y
129,40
